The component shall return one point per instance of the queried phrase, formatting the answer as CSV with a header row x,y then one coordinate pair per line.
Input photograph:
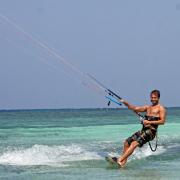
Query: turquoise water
x,y
72,144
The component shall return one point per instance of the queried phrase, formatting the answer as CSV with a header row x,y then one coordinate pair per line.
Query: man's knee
x,y
134,144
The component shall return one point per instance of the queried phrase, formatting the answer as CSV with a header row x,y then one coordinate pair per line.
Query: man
x,y
155,115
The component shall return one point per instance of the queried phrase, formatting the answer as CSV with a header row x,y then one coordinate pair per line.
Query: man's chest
x,y
153,111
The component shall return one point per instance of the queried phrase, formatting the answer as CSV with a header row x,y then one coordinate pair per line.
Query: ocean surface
x,y
72,143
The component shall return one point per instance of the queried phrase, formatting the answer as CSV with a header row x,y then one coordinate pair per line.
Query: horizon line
x,y
31,109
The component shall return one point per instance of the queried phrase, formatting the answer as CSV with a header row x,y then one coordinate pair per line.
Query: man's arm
x,y
134,108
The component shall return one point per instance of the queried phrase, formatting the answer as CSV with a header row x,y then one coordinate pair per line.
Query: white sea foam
x,y
46,155
145,151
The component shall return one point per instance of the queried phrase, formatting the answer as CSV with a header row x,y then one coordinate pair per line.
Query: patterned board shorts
x,y
142,137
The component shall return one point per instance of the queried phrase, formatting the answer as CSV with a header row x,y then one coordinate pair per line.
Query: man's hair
x,y
157,92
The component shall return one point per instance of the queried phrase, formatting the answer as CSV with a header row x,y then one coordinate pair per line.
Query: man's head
x,y
155,96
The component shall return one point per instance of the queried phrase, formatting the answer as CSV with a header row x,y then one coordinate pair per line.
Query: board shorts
x,y
142,137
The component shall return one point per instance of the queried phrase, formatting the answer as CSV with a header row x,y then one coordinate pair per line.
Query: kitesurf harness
x,y
155,128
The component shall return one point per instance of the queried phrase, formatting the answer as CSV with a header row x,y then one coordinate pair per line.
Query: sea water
x,y
72,143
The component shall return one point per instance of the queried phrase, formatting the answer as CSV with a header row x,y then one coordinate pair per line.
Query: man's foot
x,y
116,160
121,163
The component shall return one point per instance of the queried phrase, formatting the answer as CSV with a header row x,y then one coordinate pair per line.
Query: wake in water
x,y
46,155
62,155
146,151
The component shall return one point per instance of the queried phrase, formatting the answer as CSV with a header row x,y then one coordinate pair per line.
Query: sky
x,y
130,46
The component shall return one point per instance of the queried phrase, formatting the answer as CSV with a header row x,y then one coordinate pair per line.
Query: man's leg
x,y
125,148
122,160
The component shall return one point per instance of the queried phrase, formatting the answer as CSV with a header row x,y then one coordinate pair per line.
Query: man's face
x,y
154,99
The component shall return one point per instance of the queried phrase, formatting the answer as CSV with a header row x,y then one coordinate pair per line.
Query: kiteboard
x,y
112,161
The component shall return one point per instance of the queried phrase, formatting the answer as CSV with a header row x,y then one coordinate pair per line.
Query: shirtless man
x,y
155,115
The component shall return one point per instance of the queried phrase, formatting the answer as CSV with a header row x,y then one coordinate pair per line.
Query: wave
x,y
145,151
46,155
